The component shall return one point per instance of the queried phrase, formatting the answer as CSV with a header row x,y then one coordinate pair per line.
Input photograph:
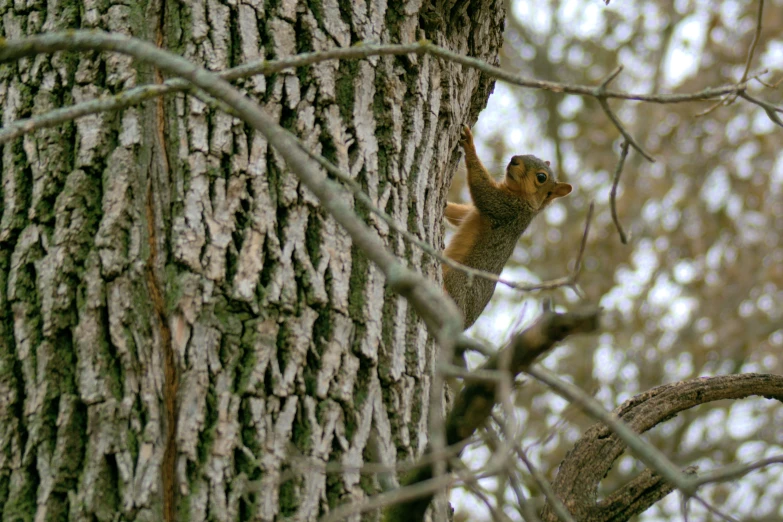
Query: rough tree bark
x,y
177,315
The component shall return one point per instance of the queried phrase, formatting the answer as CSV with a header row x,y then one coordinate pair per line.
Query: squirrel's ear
x,y
547,163
561,189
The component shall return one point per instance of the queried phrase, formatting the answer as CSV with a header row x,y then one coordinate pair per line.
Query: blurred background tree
x,y
698,289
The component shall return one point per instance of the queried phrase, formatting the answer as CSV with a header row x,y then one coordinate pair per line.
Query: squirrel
x,y
489,229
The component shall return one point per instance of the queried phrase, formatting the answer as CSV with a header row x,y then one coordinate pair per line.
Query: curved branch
x,y
613,195
593,455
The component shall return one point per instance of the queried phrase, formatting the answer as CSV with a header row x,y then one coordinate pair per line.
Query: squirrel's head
x,y
534,181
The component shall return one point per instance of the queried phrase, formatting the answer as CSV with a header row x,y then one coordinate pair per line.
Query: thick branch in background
x,y
594,454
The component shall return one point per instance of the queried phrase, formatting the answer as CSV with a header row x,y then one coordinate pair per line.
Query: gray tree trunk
x,y
179,316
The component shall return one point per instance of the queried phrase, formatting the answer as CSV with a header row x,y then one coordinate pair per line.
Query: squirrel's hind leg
x,y
457,212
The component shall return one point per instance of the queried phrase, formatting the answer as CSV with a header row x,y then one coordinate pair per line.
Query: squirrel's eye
x,y
541,177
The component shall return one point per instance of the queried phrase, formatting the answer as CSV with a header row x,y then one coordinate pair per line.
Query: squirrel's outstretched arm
x,y
457,212
490,199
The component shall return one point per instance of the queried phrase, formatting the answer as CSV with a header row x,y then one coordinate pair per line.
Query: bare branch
x,y
595,452
585,90
627,135
613,198
770,85
743,82
416,497
546,488
578,265
139,94
266,67
770,109
736,471
643,450
600,95
503,449
475,400
407,495
610,77
756,38
715,511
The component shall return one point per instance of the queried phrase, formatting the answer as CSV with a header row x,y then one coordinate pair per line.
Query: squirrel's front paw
x,y
466,138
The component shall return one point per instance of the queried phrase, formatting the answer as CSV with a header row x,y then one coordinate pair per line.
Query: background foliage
x,y
697,291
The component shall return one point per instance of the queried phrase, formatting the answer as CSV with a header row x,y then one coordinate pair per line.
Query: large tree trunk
x,y
179,316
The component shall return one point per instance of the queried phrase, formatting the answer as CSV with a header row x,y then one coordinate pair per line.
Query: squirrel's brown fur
x,y
490,228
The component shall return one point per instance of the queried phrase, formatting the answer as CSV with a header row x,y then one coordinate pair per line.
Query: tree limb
x,y
476,399
595,452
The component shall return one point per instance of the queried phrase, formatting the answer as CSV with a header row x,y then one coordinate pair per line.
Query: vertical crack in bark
x,y
170,373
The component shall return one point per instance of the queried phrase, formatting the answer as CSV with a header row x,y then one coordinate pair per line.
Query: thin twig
x,y
265,67
600,95
405,494
756,38
735,471
391,498
769,85
583,245
770,109
741,88
542,483
546,488
142,93
587,90
625,133
715,511
496,513
610,77
684,508
711,108
524,506
742,84
502,448
644,451
613,197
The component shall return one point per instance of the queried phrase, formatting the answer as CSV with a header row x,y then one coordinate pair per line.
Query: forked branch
x,y
594,454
